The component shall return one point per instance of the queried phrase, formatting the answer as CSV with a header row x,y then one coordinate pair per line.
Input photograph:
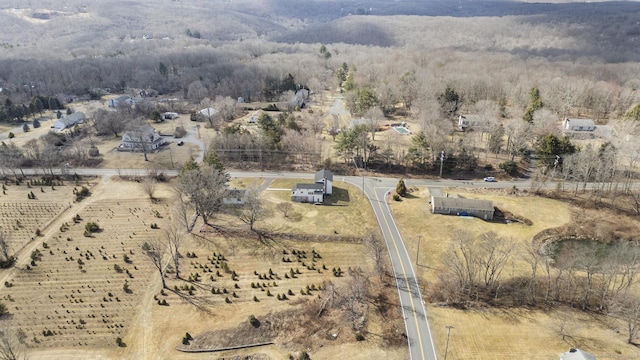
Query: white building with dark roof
x,y
308,193
482,209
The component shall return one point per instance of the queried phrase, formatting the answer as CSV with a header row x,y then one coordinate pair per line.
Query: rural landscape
x,y
418,179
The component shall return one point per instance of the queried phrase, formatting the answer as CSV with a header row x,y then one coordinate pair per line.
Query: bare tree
x,y
109,122
284,207
376,248
203,189
494,253
12,344
253,208
149,184
11,158
628,310
155,250
174,238
7,257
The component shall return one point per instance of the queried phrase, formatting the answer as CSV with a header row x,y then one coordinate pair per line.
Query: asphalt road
x,y
413,310
377,190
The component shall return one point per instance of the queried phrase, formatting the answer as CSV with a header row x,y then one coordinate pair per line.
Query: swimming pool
x,y
402,130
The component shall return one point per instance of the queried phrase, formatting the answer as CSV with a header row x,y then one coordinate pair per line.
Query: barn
x,y
482,209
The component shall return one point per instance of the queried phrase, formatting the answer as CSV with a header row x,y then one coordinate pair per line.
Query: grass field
x,y
72,302
501,333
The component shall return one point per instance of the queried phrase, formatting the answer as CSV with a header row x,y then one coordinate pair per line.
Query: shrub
x,y
510,167
401,188
26,127
36,124
120,342
93,151
82,193
91,227
3,308
396,197
180,132
359,336
253,321
11,135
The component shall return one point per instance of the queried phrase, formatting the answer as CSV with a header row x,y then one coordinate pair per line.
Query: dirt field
x,y
502,333
72,303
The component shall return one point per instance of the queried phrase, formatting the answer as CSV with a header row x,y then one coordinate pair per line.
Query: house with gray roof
x,y
578,125
314,193
457,205
69,121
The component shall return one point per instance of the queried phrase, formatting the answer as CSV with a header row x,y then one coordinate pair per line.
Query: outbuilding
x,y
480,208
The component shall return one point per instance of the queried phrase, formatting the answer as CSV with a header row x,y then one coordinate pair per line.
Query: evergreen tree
x,y
36,124
25,127
401,188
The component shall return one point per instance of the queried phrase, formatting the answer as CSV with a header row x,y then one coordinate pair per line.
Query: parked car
x,y
180,143
490,179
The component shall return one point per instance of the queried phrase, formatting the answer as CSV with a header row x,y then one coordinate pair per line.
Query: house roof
x,y
581,122
316,187
577,354
70,120
208,112
324,174
462,203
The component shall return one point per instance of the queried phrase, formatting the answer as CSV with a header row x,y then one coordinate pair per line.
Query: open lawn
x,y
345,213
501,333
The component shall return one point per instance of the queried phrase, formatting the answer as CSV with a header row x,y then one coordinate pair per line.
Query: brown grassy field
x,y
502,333
72,302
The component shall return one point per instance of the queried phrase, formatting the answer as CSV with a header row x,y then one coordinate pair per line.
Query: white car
x,y
490,179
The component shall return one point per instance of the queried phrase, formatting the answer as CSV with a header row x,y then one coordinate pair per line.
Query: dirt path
x,y
139,338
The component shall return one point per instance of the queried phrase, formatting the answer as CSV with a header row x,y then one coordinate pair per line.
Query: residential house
x,y
577,354
234,197
69,121
467,121
120,100
325,177
144,138
299,98
169,115
482,209
308,193
578,125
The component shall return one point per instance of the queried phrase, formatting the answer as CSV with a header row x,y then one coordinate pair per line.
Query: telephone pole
x,y
418,251
441,161
446,348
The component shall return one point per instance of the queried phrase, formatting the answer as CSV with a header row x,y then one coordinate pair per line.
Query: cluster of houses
x,y
314,193
568,125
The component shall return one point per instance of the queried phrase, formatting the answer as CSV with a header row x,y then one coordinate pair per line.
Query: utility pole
x,y
441,161
446,348
418,251
555,164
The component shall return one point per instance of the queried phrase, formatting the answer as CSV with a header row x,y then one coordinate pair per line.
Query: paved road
x,y
413,310
419,336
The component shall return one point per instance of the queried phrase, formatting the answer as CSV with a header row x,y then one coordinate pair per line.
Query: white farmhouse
x,y
307,193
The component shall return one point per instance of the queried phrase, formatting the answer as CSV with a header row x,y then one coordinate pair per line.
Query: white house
x,y
325,177
169,115
69,121
578,125
144,138
120,100
307,193
234,197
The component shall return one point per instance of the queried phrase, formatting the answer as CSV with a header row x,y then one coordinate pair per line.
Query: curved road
x,y
377,190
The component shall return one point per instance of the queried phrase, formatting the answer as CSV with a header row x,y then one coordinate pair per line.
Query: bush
x,y
253,321
401,188
396,197
510,167
36,124
93,151
82,193
11,135
91,227
26,128
3,308
180,132
120,342
359,336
